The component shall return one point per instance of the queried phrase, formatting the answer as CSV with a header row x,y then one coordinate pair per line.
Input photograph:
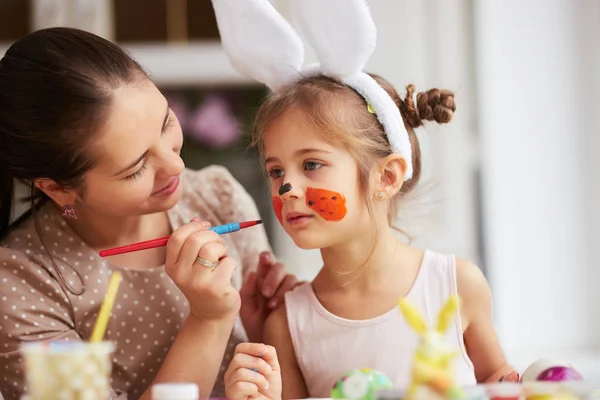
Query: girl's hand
x,y
198,264
253,373
262,292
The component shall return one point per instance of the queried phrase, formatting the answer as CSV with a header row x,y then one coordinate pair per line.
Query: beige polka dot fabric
x,y
35,303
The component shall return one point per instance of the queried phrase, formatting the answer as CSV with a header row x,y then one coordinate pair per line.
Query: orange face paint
x,y
277,207
331,206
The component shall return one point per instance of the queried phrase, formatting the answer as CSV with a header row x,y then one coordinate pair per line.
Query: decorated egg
x,y
360,384
550,371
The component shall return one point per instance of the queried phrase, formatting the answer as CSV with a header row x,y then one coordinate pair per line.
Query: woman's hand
x,y
197,262
262,292
253,373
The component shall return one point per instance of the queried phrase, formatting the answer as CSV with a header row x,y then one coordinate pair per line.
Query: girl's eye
x,y
312,165
139,172
276,173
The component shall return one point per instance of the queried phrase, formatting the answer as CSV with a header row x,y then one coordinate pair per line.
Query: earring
x,y
380,195
68,212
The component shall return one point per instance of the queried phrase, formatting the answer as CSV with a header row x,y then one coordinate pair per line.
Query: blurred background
x,y
511,183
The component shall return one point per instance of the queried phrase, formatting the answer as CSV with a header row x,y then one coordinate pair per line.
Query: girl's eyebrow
x,y
300,152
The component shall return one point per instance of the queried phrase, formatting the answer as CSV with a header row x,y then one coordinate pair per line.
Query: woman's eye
x,y
312,165
139,172
275,173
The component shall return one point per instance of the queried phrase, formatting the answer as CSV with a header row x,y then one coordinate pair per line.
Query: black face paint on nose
x,y
283,189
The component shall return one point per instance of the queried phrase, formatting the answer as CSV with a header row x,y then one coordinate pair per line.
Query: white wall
x,y
537,96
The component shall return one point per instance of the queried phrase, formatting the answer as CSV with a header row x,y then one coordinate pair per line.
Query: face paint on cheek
x,y
331,206
278,207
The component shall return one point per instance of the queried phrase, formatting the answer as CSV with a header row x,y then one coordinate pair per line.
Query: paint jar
x,y
68,370
175,391
504,391
478,392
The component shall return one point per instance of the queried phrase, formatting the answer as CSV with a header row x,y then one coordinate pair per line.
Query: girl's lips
x,y
296,218
169,189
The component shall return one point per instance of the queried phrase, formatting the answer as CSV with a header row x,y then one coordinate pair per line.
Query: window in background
x,y
164,21
15,17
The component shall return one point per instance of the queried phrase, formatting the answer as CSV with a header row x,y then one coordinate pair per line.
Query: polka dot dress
x,y
149,310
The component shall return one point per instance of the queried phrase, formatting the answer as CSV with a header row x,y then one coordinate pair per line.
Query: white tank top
x,y
327,346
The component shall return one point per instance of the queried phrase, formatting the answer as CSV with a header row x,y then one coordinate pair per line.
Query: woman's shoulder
x,y
21,239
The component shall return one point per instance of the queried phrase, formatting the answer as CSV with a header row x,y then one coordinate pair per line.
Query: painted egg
x,y
559,374
360,384
550,371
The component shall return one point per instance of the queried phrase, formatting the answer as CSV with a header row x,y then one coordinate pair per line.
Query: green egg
x,y
360,384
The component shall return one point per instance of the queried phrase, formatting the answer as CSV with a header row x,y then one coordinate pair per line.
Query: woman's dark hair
x,y
56,87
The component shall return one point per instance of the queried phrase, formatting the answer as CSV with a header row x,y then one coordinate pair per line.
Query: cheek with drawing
x,y
329,205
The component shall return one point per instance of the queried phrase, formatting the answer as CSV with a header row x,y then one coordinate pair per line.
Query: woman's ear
x,y
61,196
390,177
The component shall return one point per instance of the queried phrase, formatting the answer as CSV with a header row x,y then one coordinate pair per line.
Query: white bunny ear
x,y
259,42
341,32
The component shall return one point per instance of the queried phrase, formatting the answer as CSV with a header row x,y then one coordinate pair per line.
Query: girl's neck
x,y
100,232
363,263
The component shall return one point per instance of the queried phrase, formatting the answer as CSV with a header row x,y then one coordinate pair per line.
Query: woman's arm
x,y
265,281
195,355
277,334
481,340
198,350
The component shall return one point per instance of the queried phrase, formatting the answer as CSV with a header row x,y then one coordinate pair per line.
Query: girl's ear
x,y
390,175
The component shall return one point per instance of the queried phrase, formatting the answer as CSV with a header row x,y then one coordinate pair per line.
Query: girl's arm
x,y
277,334
481,340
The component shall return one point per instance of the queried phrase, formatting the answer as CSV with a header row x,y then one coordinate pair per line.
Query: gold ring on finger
x,y
208,264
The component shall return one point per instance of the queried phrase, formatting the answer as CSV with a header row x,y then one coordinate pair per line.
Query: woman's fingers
x,y
207,246
179,237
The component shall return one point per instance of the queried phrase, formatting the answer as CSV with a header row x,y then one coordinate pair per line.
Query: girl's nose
x,y
288,191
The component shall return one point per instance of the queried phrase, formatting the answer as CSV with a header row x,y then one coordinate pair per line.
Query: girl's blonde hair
x,y
341,116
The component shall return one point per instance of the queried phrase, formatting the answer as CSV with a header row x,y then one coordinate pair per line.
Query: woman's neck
x,y
362,263
99,231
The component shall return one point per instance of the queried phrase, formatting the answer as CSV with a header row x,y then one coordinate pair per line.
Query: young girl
x,y
335,158
341,154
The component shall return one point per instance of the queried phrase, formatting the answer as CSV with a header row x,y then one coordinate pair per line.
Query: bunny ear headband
x,y
261,44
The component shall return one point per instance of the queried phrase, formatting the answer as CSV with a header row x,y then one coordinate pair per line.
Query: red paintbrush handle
x,y
148,244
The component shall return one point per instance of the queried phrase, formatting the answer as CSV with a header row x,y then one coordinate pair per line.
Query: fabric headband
x,y
261,44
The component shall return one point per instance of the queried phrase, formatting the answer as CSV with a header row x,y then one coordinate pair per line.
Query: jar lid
x,y
172,391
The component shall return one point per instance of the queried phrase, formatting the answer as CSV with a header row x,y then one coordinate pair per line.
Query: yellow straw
x,y
107,304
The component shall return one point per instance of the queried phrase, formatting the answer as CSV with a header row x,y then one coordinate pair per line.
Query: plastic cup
x,y
63,370
504,391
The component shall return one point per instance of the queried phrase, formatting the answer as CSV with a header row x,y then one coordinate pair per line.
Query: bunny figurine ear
x,y
413,316
341,32
259,42
447,313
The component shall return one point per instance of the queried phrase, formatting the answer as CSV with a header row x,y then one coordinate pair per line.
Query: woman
x,y
83,124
